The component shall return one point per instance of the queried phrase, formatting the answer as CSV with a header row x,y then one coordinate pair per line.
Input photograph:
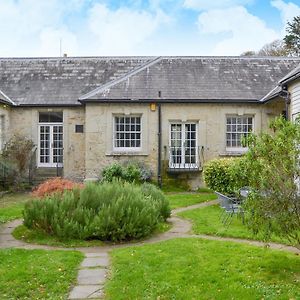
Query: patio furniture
x,y
231,206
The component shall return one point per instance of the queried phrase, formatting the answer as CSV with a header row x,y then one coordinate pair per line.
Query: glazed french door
x,y
50,145
183,146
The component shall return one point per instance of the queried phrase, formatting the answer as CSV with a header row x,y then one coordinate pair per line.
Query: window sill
x,y
232,153
126,153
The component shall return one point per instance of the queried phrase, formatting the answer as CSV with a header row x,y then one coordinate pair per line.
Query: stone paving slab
x,y
86,292
91,262
101,254
91,276
97,295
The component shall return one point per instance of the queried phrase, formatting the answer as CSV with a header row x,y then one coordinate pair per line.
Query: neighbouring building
x,y
172,113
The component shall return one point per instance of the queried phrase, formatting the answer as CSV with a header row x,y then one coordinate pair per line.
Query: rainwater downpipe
x,y
284,93
159,171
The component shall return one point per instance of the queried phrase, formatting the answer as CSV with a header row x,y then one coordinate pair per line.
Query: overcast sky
x,y
136,27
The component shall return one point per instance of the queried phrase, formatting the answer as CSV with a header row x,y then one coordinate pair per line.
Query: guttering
x,y
5,99
185,101
271,98
49,105
289,79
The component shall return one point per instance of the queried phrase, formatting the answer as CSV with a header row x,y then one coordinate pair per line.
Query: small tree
x,y
275,48
292,38
273,165
18,150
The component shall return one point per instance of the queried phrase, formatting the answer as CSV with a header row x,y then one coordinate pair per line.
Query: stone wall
x,y
210,118
25,121
87,153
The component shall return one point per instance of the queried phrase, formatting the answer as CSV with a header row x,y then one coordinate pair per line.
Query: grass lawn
x,y
207,221
202,269
11,206
37,274
42,238
186,199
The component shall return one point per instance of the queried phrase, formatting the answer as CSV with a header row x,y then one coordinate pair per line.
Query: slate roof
x,y
62,81
203,79
294,74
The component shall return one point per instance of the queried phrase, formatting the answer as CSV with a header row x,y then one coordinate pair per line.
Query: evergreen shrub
x,y
109,211
226,175
129,172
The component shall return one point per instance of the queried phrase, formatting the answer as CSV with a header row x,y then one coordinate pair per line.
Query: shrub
x,y
273,206
129,172
110,211
226,176
18,150
54,185
17,153
114,171
151,191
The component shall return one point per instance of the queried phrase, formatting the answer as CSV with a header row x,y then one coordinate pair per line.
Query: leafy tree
x,y
249,53
292,38
288,46
273,166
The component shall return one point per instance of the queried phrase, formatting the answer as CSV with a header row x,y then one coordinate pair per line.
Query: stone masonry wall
x,y
211,120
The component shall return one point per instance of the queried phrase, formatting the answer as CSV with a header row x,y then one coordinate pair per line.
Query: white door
x,y
50,145
183,146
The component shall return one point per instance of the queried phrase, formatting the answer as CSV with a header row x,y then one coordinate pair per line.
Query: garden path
x,y
93,269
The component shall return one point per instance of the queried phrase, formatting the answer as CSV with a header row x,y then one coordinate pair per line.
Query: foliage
x,y
274,174
202,269
288,46
8,173
292,37
54,185
226,175
18,150
129,172
37,274
110,211
275,48
34,236
152,193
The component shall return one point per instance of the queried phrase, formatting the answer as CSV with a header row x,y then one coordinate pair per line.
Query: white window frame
x,y
49,164
183,164
126,149
237,149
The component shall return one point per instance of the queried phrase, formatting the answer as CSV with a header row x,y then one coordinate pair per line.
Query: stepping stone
x,y
86,292
98,294
103,254
91,276
91,262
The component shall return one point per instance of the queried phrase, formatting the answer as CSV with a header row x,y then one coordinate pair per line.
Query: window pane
x,y
236,129
50,117
127,132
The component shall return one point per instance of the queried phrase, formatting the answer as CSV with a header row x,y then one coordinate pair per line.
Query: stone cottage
x,y
172,113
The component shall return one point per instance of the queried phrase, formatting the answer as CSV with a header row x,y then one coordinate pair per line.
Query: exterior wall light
x,y
153,106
